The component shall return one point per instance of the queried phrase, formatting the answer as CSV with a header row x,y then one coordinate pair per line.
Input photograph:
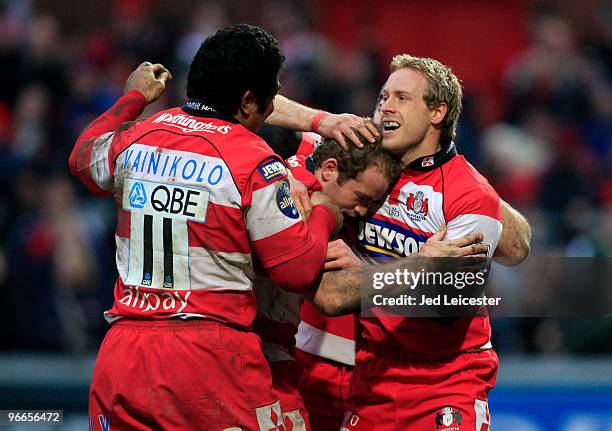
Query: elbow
x,y
329,305
522,247
516,254
294,284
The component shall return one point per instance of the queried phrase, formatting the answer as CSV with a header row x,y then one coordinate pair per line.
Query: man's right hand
x,y
149,79
341,128
318,198
468,245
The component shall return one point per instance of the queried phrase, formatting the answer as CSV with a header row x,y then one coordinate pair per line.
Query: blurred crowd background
x,y
537,122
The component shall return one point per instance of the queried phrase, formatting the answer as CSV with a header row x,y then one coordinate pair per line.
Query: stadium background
x,y
537,121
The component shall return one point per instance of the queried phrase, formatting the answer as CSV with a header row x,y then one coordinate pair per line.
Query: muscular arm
x,y
143,86
341,292
513,247
292,115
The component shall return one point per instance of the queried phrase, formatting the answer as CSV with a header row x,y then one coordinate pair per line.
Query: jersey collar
x,y
199,108
433,161
310,164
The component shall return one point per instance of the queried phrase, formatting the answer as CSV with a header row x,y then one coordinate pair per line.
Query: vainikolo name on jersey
x,y
171,164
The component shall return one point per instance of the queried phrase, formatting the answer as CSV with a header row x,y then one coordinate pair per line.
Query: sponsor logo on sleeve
x,y
285,202
272,170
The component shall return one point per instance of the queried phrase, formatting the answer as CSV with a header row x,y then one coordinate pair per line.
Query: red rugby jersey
x,y
198,196
433,190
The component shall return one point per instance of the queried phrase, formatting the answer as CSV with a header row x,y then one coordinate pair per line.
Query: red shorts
x,y
325,388
285,379
390,393
181,375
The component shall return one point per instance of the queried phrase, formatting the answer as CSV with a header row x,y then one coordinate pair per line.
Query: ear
x,y
438,113
248,104
329,170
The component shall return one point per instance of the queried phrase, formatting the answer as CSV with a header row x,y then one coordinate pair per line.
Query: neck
x,y
428,146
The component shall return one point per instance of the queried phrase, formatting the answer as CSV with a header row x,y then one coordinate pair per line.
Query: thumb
x,y
439,235
164,76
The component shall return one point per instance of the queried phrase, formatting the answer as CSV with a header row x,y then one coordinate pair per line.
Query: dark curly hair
x,y
237,58
356,160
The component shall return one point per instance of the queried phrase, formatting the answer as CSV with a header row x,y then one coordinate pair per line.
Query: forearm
x,y
341,292
292,115
127,108
310,263
513,247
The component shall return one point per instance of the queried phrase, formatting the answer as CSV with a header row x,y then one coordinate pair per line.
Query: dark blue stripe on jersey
x,y
387,236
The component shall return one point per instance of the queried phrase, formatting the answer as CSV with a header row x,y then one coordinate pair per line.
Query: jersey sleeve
x,y
475,209
274,225
92,156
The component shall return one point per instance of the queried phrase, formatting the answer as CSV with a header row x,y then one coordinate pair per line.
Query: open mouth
x,y
389,126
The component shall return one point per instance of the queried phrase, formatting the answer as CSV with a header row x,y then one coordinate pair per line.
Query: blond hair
x,y
442,87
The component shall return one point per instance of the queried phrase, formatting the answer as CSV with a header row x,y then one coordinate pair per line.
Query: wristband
x,y
317,119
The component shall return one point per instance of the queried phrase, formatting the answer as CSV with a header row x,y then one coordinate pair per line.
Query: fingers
x,y
301,200
471,238
439,235
473,250
368,130
352,136
339,138
334,249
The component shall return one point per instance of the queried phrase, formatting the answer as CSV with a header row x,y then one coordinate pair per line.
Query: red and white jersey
x,y
327,337
331,338
434,190
278,311
198,197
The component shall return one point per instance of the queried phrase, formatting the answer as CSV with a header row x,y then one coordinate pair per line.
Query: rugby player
x,y
422,373
353,179
199,196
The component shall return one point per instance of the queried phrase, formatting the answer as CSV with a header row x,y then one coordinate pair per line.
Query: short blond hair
x,y
442,87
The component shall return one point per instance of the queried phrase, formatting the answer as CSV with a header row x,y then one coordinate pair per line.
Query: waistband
x,y
178,323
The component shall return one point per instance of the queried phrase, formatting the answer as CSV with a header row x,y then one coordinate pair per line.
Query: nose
x,y
387,105
361,210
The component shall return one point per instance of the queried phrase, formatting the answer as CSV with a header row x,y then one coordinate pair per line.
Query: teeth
x,y
390,125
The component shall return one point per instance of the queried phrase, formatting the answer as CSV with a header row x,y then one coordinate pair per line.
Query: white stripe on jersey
x,y
197,268
317,342
180,255
172,167
265,218
130,253
213,270
122,256
135,253
99,167
468,223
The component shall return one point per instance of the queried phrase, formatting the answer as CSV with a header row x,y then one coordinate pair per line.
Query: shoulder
x,y
467,191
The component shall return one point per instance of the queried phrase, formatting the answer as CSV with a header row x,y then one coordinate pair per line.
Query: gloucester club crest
x,y
448,419
417,205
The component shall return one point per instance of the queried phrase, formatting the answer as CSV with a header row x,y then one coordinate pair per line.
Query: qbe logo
x,y
165,200
138,195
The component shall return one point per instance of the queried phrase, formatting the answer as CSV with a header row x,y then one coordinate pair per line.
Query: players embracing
x,y
417,373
